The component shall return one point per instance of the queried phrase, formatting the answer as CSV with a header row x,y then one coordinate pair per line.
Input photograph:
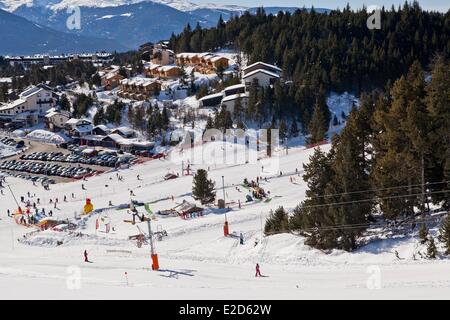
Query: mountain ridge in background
x,y
120,24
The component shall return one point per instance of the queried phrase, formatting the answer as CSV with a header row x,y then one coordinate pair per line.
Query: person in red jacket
x,y
86,256
258,272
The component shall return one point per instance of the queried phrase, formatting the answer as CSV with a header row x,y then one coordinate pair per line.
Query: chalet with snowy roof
x,y
116,141
124,132
235,89
78,127
211,101
139,88
161,71
187,207
101,130
56,119
261,66
110,77
261,77
205,62
230,101
111,140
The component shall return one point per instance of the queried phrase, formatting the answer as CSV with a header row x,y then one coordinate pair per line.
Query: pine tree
x,y
444,234
438,102
3,92
203,189
283,131
294,129
350,169
431,249
131,117
64,103
397,163
277,222
99,117
417,125
165,118
423,233
316,128
237,111
311,216
252,100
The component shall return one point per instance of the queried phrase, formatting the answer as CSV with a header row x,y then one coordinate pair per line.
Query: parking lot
x,y
107,159
46,163
12,142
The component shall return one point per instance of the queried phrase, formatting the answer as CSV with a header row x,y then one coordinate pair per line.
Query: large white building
x,y
35,101
260,73
262,77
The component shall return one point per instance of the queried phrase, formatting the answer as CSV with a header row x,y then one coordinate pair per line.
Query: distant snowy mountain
x,y
130,25
127,22
20,36
182,5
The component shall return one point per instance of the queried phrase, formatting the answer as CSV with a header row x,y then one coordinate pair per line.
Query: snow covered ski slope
x,y
196,260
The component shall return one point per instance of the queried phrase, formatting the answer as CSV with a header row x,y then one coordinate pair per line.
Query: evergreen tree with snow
x,y
203,188
423,233
277,222
431,249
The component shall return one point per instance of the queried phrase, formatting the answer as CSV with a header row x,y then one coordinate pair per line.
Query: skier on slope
x,y
86,256
258,272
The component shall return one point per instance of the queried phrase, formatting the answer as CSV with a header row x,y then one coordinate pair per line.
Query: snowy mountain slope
x,y
195,258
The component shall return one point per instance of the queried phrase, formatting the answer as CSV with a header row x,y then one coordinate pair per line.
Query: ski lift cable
x,y
370,200
383,189
353,226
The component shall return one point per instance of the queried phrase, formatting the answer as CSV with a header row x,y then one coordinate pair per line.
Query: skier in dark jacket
x,y
86,256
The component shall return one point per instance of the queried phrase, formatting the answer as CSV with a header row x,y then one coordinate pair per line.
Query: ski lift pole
x,y
155,264
12,193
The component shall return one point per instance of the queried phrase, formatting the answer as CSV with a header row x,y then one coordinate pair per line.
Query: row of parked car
x,y
11,142
108,160
50,169
39,179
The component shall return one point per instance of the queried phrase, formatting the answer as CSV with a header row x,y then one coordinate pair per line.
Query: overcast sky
x,y
440,5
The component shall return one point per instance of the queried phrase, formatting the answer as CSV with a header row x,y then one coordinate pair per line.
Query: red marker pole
x,y
154,256
225,226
